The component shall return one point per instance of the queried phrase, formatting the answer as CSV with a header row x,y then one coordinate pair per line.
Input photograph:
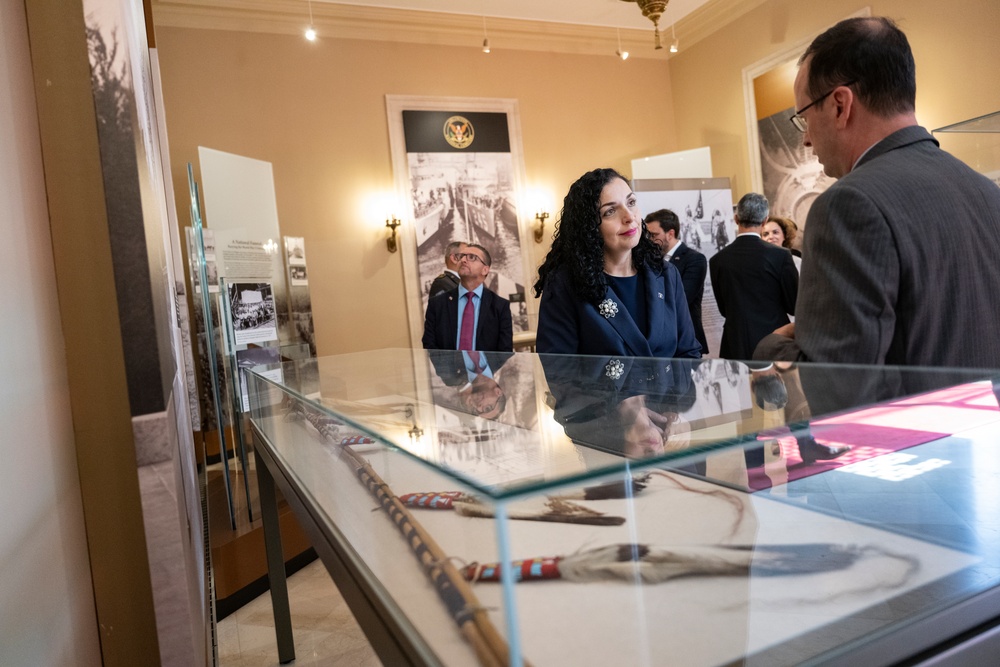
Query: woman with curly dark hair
x,y
604,286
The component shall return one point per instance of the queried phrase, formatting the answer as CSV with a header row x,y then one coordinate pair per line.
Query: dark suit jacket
x,y
901,263
445,281
494,331
693,267
755,285
569,325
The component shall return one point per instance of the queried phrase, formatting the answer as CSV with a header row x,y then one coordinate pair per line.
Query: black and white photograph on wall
x,y
208,236
212,272
252,308
705,210
299,299
295,250
211,268
461,175
793,177
298,275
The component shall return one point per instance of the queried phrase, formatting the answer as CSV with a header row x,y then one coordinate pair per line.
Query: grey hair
x,y
752,210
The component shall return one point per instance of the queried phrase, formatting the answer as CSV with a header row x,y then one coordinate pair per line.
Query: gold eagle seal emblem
x,y
458,132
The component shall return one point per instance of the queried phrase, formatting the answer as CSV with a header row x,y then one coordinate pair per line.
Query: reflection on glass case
x,y
498,509
975,142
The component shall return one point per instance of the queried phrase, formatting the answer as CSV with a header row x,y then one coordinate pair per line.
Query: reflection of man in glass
x,y
474,375
649,432
483,396
768,384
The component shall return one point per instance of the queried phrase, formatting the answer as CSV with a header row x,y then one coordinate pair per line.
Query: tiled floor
x,y
324,629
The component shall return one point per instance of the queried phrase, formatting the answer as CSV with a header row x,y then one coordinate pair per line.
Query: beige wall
x,y
955,46
317,112
46,597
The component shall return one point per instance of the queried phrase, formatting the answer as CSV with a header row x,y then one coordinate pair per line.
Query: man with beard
x,y
469,317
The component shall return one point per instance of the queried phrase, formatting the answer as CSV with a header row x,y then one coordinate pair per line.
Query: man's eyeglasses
x,y
799,121
459,256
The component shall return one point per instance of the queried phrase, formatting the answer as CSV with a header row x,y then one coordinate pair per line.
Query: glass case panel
x,y
976,142
594,510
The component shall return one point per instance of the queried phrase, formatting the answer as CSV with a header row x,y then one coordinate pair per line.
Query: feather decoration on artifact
x,y
556,509
559,511
652,565
608,491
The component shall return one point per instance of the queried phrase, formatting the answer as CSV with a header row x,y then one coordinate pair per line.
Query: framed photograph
x,y
459,170
252,309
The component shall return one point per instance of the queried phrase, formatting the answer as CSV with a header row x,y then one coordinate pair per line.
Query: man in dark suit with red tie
x,y
755,282
664,229
469,317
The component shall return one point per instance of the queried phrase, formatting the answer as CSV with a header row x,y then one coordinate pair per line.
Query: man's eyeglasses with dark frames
x,y
459,256
799,121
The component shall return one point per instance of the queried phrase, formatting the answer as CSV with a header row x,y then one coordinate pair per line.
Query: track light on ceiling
x,y
621,54
310,30
674,45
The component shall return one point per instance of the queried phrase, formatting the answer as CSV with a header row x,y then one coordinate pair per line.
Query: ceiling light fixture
x,y
621,54
653,10
486,39
674,45
310,30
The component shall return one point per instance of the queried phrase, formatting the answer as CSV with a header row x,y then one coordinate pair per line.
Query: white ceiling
x,y
617,13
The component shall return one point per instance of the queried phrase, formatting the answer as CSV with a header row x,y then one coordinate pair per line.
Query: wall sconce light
x,y
415,432
541,217
390,242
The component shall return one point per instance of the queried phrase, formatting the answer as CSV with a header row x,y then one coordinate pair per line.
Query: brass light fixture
x,y
486,38
652,10
391,241
415,432
541,217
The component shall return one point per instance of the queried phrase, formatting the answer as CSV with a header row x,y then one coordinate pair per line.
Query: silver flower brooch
x,y
608,308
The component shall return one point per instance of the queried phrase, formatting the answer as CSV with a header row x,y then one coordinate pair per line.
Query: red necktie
x,y
474,356
468,323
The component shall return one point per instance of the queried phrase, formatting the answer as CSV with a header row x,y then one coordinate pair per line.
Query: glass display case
x,y
555,510
976,142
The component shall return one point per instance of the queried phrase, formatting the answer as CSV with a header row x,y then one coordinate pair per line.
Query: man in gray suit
x,y
903,248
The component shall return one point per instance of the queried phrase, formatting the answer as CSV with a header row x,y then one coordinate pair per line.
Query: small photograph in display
x,y
252,308
295,249
208,236
212,272
298,275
